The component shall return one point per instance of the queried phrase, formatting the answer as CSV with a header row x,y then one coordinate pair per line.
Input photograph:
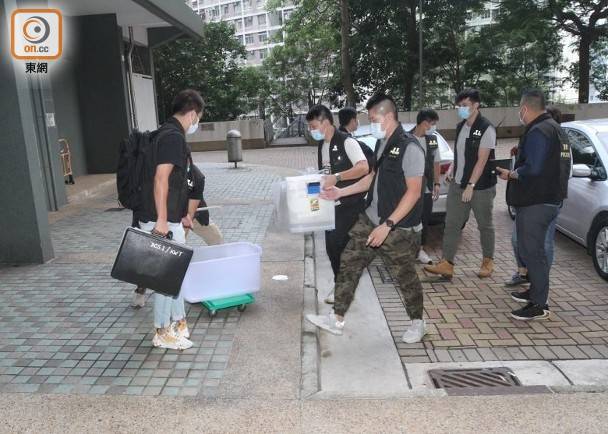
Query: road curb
x,y
310,338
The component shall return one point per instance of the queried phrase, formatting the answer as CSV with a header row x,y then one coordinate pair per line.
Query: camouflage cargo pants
x,y
399,254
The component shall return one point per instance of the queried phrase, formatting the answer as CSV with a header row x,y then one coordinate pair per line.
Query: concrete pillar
x,y
24,227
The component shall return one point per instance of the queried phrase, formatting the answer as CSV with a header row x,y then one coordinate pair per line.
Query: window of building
x,y
485,14
248,21
262,54
249,39
261,20
262,37
236,6
226,10
246,4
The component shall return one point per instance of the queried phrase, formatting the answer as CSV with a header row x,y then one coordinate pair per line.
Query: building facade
x,y
258,29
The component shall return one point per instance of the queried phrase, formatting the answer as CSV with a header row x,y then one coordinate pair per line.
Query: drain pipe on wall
x,y
130,80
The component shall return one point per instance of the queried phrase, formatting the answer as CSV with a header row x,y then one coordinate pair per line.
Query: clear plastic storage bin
x,y
222,271
306,211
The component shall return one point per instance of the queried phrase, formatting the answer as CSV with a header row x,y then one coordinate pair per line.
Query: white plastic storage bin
x,y
222,271
306,211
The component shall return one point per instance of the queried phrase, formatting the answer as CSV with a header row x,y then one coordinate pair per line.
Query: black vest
x,y
429,158
471,149
551,185
391,179
339,162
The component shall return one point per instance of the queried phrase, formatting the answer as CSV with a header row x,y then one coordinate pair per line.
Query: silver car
x,y
447,157
584,216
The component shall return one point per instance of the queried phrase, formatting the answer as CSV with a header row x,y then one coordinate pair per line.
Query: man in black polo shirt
x,y
537,186
165,207
391,223
472,185
343,162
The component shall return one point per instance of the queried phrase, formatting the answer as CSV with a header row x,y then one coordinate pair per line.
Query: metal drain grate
x,y
385,276
484,377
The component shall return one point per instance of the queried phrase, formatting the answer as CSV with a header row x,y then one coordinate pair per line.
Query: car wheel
x,y
511,212
599,248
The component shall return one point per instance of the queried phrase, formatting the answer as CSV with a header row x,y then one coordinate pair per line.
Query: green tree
x,y
210,65
585,20
305,69
599,67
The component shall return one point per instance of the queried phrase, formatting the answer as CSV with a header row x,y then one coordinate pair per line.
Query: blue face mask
x,y
376,130
464,112
317,135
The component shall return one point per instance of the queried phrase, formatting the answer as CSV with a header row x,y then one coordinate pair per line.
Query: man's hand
x,y
187,222
329,181
378,235
467,194
436,189
330,193
503,173
449,176
514,151
161,227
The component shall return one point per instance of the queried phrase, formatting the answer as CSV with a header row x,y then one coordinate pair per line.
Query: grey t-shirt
x,y
488,141
412,165
436,157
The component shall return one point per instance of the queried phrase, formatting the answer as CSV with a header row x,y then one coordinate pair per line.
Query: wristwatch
x,y
338,177
390,224
472,184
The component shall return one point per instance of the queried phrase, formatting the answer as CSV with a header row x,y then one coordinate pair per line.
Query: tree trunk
x,y
347,75
412,54
583,69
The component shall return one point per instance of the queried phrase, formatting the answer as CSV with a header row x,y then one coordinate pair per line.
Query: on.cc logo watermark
x,y
36,34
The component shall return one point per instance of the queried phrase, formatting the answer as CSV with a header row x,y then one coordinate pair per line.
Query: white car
x,y
447,157
584,215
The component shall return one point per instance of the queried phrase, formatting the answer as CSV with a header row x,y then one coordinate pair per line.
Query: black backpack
x,y
136,164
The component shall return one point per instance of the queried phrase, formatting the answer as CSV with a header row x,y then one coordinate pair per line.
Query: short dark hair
x,y
534,98
379,98
346,115
187,100
472,94
429,115
555,113
319,112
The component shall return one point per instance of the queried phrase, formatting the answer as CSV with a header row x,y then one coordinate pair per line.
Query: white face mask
x,y
192,128
432,130
521,117
377,131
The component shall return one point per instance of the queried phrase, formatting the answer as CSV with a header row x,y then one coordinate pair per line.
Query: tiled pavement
x,y
468,318
67,326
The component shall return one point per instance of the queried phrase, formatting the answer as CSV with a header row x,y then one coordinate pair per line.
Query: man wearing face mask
x,y
472,185
537,187
424,131
165,207
391,224
348,120
344,163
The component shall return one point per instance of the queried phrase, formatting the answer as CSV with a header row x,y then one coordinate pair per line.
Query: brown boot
x,y
487,267
444,268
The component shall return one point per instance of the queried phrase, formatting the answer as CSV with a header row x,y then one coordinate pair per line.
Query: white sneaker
x,y
415,332
423,258
330,298
328,323
168,339
139,300
181,329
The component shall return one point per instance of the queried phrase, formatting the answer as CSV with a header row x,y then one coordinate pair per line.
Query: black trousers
x,y
532,223
427,211
336,240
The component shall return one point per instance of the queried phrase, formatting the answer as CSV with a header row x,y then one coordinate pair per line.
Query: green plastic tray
x,y
239,301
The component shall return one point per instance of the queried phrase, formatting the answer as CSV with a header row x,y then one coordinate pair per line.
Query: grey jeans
x,y
457,214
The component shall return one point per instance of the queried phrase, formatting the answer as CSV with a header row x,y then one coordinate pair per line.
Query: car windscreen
x,y
604,139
